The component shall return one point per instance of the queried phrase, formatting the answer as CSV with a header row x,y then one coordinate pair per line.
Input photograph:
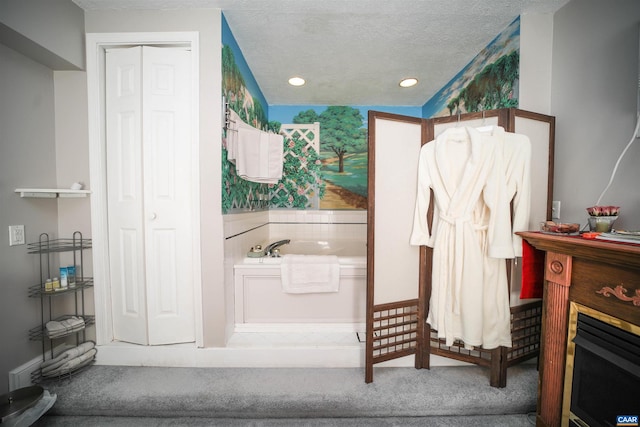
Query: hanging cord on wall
x,y
615,168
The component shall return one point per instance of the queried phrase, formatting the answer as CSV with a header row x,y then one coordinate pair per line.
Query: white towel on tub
x,y
306,274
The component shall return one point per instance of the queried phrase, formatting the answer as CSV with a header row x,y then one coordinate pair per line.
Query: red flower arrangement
x,y
603,210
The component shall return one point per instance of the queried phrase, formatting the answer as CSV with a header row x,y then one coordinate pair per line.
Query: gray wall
x,y
27,147
594,96
36,38
48,31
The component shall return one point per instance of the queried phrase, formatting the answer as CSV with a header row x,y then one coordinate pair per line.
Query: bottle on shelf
x,y
71,276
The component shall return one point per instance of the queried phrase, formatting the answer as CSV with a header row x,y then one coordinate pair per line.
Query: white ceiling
x,y
354,52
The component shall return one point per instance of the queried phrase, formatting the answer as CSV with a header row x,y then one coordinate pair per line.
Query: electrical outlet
x,y
16,235
555,209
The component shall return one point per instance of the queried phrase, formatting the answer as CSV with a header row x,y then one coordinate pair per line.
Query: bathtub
x,y
348,251
258,290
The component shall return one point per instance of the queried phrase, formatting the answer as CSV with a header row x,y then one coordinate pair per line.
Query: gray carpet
x,y
461,396
470,421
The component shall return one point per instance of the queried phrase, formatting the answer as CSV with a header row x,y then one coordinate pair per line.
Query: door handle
x,y
153,216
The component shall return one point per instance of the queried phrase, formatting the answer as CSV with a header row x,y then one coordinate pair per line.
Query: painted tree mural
x,y
341,130
491,88
235,92
343,150
489,81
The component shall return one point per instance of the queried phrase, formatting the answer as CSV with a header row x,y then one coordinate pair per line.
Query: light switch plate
x,y
555,209
16,235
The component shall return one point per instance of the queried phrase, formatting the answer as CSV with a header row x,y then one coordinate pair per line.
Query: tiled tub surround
x,y
242,231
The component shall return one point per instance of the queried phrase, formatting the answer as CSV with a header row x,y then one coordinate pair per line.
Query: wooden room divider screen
x,y
399,275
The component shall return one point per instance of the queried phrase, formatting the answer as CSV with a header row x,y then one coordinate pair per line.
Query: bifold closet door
x,y
148,98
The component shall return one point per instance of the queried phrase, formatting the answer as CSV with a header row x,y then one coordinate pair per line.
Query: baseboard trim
x,y
188,355
21,376
299,327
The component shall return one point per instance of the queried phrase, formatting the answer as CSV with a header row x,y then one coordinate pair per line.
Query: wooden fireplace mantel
x,y
598,274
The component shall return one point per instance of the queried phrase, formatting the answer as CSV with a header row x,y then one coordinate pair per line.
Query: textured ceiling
x,y
354,52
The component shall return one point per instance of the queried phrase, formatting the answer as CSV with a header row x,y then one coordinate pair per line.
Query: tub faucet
x,y
269,250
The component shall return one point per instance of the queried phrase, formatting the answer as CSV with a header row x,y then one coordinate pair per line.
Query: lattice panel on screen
x,y
394,330
526,324
457,350
526,321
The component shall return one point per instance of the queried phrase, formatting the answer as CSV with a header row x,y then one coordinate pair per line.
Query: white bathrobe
x,y
516,154
465,171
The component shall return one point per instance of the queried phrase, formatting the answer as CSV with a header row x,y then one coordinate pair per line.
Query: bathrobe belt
x,y
458,224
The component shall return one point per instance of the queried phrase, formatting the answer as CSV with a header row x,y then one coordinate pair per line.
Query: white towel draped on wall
x,y
304,274
258,155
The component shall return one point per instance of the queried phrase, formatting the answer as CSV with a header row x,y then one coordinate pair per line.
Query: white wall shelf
x,y
51,193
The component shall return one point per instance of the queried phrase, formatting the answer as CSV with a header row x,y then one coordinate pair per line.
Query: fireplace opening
x,y
606,374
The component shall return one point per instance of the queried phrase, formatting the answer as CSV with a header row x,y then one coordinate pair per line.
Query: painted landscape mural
x,y
325,152
238,193
301,186
488,82
343,155
325,147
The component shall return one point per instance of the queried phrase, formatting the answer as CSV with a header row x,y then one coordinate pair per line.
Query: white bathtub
x,y
258,290
348,251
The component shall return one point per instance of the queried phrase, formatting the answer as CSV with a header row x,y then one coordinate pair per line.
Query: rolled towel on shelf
x,y
302,274
66,355
59,328
72,364
54,327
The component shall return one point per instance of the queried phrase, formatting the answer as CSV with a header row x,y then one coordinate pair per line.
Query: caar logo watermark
x,y
627,420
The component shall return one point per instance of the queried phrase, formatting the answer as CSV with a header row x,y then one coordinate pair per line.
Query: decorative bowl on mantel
x,y
552,227
601,218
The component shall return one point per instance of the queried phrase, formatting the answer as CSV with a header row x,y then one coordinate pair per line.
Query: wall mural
x,y
488,82
343,155
301,185
325,147
238,193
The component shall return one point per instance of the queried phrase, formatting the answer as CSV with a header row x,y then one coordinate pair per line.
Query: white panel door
x,y
149,194
167,188
124,195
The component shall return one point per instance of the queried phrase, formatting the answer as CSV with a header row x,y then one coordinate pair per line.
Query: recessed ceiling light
x,y
296,81
408,82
